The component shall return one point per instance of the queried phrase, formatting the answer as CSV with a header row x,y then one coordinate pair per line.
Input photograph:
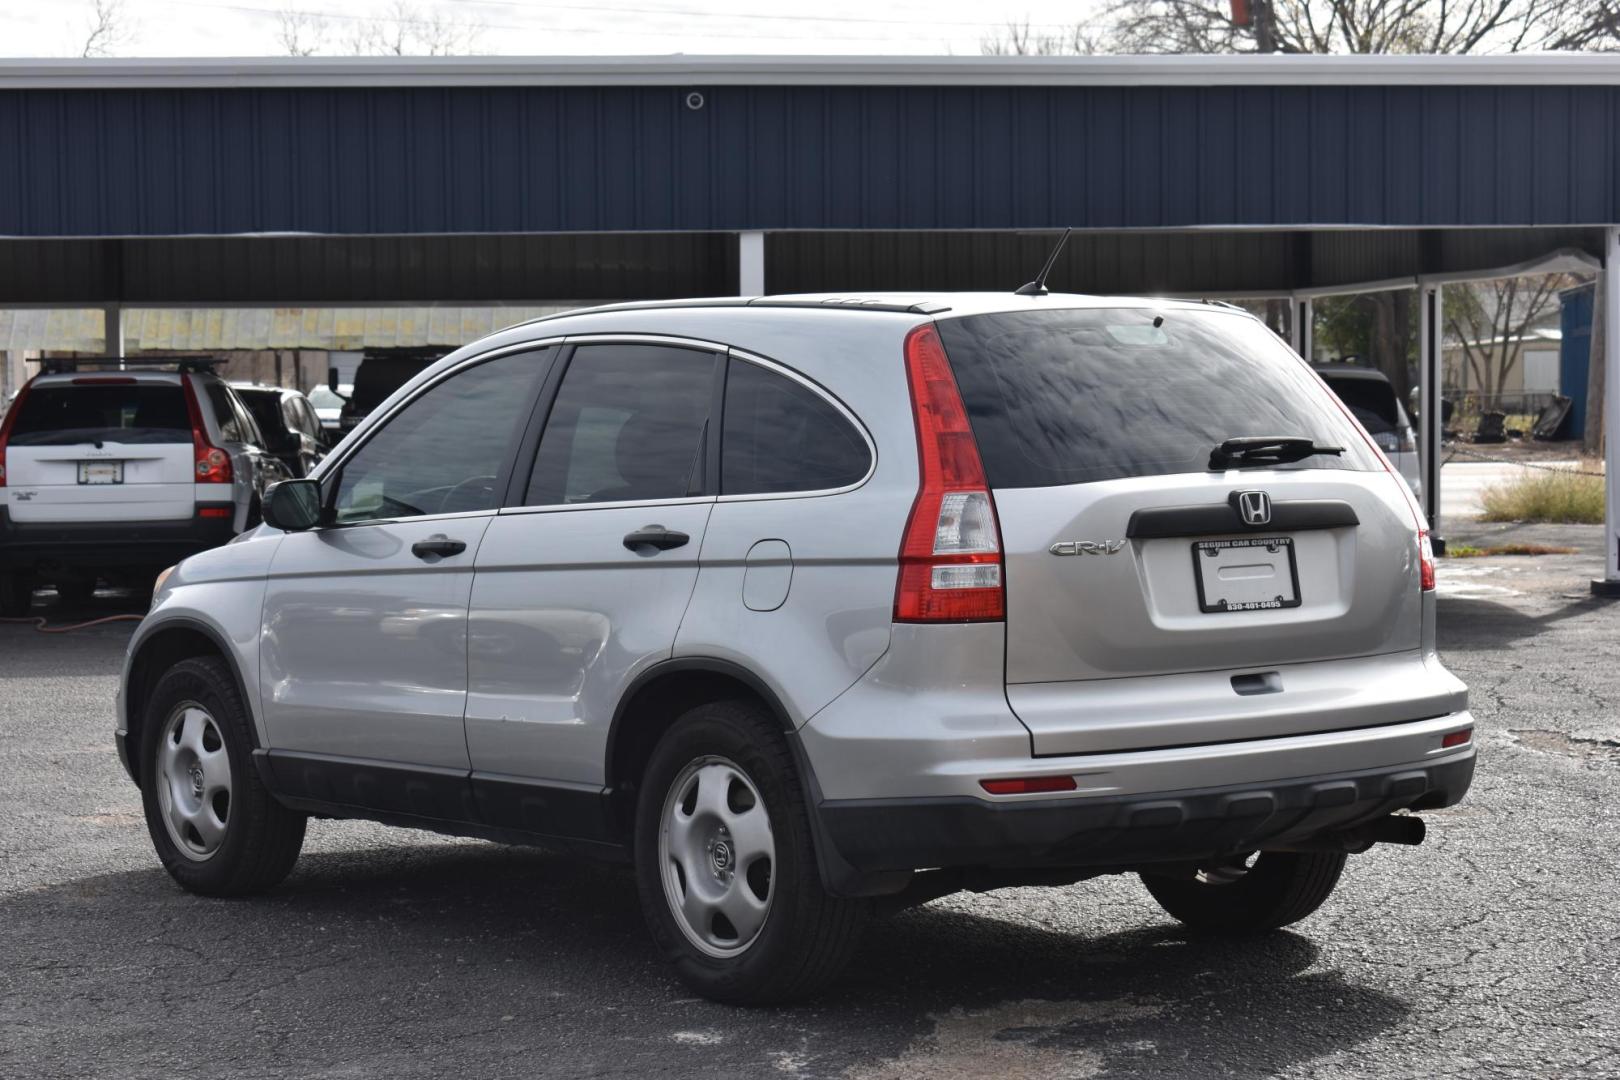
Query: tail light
x,y
213,464
7,424
1425,561
950,556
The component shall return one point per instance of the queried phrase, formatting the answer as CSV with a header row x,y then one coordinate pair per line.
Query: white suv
x,y
109,474
796,603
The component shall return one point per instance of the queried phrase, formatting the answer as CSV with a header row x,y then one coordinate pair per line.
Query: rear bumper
x,y
33,546
877,835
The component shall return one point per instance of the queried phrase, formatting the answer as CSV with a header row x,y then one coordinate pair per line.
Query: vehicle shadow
x,y
414,958
1472,623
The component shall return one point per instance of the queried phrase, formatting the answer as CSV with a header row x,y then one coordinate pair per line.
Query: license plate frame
x,y
1272,545
98,473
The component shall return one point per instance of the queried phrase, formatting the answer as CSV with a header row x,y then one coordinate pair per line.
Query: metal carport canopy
x,y
373,180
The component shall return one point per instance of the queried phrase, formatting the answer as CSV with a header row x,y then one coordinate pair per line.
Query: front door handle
x,y
655,536
437,547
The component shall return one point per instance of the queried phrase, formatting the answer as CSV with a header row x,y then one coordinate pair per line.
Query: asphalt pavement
x,y
1491,951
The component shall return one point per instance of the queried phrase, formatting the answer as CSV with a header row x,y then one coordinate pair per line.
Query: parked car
x,y
112,475
802,602
1368,394
328,405
288,423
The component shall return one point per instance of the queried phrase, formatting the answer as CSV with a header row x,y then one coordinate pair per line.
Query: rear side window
x,y
63,415
781,436
1074,396
627,426
1372,401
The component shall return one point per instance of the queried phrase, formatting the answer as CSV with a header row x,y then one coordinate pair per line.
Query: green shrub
x,y
1567,497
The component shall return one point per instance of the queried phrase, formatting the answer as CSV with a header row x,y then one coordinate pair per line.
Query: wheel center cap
x,y
720,855
196,780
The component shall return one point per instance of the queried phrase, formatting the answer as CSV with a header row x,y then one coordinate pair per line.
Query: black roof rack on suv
x,y
187,365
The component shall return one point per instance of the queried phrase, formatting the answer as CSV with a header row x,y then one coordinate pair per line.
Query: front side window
x,y
445,452
627,426
781,436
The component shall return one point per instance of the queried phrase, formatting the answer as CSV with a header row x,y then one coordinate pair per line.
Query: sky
x,y
550,27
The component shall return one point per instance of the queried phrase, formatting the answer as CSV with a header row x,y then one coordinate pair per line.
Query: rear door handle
x,y
655,536
437,547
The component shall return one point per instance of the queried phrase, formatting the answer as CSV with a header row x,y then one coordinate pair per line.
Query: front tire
x,y
1272,890
725,864
217,830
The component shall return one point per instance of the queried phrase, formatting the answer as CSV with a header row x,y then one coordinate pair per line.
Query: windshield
x,y
1079,395
64,415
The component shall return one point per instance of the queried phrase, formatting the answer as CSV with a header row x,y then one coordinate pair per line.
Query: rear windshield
x,y
1371,400
66,415
265,409
1073,396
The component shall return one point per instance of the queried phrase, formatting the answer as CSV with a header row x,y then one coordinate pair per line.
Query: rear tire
x,y
698,795
16,595
1279,889
217,830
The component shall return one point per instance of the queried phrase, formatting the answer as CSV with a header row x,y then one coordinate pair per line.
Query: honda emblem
x,y
1255,507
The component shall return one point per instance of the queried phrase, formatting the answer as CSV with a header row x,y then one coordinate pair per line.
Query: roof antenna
x,y
1038,286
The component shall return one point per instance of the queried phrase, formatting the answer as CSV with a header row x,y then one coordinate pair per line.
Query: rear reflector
x,y
1457,738
1028,785
950,555
213,511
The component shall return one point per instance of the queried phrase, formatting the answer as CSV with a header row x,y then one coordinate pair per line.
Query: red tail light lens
x,y
213,464
1028,785
1425,560
950,556
1457,738
7,424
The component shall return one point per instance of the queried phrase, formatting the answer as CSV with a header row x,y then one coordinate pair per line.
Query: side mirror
x,y
293,505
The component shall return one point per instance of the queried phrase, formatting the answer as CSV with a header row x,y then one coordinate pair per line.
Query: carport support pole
x,y
1301,326
1609,585
751,263
1431,347
112,337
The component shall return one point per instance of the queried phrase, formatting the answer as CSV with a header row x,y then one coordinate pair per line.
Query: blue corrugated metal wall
x,y
425,160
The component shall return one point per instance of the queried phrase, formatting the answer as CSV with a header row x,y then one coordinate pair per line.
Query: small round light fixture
x,y
694,100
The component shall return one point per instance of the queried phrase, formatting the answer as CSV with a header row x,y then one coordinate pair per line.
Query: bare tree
x,y
1489,321
1347,26
111,28
301,33
405,29
1018,39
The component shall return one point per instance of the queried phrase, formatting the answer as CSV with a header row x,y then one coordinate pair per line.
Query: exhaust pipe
x,y
1405,829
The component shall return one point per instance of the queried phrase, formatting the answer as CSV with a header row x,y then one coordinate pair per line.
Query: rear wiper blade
x,y
1255,450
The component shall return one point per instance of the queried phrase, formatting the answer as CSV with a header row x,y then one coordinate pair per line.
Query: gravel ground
x,y
1489,951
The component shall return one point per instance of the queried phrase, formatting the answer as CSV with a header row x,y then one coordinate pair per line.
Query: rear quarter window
x,y
1081,395
781,436
67,414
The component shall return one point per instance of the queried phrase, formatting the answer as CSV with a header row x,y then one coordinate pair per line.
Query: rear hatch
x,y
101,448
1155,600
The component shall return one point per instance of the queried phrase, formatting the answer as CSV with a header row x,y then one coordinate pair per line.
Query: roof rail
x,y
186,365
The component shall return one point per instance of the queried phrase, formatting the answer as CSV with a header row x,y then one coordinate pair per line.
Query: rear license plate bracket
x,y
1246,574
101,472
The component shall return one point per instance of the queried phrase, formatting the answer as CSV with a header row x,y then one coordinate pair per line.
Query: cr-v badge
x,y
1086,547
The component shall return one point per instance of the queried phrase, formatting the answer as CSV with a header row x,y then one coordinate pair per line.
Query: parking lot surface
x,y
1492,950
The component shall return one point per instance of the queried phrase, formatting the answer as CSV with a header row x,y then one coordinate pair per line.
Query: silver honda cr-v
x,y
811,607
